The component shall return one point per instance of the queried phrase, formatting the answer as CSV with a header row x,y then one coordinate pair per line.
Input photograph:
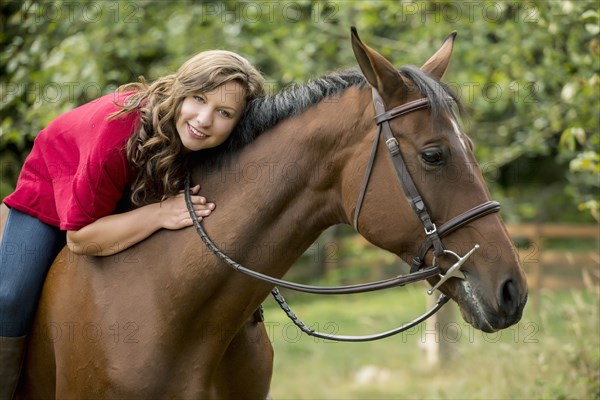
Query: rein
x,y
360,288
418,271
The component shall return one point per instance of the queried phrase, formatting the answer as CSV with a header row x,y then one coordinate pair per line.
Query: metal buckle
x,y
432,231
393,146
393,140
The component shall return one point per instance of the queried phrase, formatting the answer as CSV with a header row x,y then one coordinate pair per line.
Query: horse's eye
x,y
433,156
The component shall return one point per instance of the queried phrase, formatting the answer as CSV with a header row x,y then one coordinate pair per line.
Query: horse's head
x,y
492,289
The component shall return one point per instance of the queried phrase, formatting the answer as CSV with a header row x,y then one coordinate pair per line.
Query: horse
x,y
167,319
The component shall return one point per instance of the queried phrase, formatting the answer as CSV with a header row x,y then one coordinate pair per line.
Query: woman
x,y
128,147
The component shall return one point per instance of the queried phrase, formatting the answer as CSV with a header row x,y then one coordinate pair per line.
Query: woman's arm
x,y
114,233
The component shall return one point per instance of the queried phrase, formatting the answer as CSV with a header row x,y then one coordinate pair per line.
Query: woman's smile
x,y
195,133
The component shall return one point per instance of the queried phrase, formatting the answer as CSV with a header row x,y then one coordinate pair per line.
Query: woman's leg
x,y
27,251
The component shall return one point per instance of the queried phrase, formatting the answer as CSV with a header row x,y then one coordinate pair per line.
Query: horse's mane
x,y
265,112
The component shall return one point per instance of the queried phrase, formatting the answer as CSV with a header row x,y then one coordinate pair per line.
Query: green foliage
x,y
527,71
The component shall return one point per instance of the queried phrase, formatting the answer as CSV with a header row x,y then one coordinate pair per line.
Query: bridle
x,y
419,271
432,232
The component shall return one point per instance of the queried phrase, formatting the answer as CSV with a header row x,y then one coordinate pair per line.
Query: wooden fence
x,y
573,264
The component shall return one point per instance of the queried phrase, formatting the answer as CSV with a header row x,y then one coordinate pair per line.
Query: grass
x,y
553,354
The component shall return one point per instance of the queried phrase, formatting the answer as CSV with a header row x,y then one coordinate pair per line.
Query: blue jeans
x,y
27,251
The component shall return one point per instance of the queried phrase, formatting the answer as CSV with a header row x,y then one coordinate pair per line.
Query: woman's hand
x,y
114,233
175,215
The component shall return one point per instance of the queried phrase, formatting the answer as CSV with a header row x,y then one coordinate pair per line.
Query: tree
x,y
527,71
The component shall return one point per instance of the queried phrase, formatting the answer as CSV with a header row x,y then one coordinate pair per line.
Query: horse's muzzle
x,y
481,315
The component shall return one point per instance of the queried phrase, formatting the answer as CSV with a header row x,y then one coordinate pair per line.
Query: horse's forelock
x,y
441,97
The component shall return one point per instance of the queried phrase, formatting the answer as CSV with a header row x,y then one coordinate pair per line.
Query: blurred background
x,y
528,74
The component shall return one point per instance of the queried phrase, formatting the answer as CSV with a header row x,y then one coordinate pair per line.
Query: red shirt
x,y
77,170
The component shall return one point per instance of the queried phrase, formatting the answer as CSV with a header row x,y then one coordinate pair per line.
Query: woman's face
x,y
207,119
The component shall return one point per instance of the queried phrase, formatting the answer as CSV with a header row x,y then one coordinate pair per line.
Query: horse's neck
x,y
283,189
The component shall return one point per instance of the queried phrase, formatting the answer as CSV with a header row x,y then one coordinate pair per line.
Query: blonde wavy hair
x,y
154,151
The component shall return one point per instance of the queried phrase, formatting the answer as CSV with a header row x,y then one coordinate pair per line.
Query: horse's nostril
x,y
509,297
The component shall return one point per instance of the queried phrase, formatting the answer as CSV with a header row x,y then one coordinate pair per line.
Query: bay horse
x,y
167,319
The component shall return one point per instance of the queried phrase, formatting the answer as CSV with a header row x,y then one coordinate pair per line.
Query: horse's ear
x,y
438,63
376,68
